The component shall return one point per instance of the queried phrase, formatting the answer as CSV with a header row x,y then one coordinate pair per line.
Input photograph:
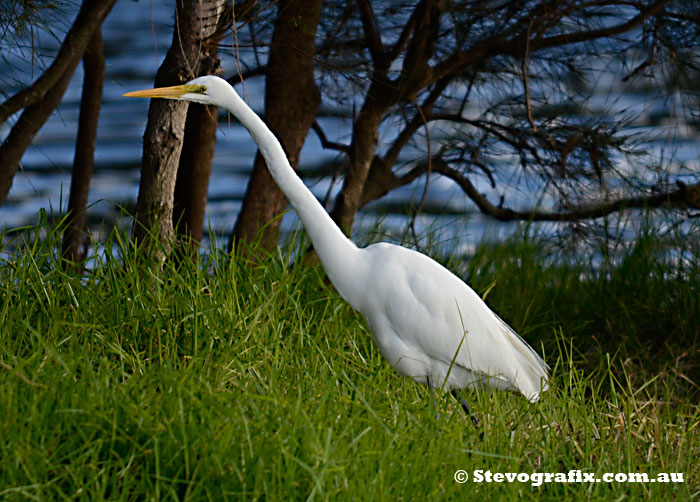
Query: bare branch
x,y
500,131
374,40
587,35
683,196
405,35
419,50
325,143
381,181
91,15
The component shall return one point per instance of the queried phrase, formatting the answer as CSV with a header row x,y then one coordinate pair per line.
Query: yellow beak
x,y
175,91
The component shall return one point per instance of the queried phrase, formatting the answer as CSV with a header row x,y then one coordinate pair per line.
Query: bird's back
x,y
429,324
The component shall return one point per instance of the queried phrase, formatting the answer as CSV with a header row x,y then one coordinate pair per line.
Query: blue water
x,y
137,36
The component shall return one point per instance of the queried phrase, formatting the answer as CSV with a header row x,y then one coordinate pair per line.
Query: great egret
x,y
427,322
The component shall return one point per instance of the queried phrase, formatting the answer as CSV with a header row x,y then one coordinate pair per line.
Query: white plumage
x,y
427,323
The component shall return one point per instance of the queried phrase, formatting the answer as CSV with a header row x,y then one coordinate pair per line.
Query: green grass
x,y
213,381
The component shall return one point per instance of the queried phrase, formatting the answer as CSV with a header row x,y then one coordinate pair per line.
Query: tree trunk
x,y
196,22
84,160
192,185
291,102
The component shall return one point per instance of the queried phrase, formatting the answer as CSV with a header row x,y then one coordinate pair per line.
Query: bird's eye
x,y
203,89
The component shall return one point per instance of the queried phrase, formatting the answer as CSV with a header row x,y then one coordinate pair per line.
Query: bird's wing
x,y
437,313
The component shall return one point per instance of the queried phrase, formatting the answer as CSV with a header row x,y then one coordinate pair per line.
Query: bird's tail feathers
x,y
531,374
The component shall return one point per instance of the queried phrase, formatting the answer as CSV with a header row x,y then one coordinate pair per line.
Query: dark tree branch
x,y
419,50
507,31
381,178
681,17
405,35
325,143
587,35
381,95
91,15
684,196
382,181
484,168
372,37
22,133
526,79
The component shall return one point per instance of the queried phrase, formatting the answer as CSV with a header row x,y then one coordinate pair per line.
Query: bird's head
x,y
208,90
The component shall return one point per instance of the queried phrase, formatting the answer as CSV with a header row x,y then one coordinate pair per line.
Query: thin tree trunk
x,y
74,249
196,21
291,102
192,185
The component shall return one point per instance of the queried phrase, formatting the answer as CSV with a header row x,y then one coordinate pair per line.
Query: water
x,y
137,36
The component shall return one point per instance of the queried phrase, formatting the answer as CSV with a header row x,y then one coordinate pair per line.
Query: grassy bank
x,y
214,381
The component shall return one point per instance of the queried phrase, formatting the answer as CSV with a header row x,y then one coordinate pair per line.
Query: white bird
x,y
427,322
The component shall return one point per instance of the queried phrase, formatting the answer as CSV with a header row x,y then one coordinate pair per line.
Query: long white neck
x,y
339,256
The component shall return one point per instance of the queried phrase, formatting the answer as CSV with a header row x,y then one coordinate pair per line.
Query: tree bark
x,y
42,99
194,170
196,22
291,102
74,249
